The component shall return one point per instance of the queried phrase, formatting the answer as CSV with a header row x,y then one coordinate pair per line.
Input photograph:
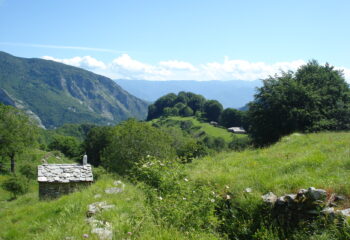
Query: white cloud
x,y
83,62
125,67
174,64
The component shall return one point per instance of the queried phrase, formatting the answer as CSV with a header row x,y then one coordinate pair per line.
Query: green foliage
x,y
98,172
212,110
132,141
240,144
186,112
231,117
16,185
96,141
315,98
69,146
184,104
176,201
28,170
59,94
17,133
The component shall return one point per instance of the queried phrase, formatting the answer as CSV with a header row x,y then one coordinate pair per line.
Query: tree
x,y
96,141
17,132
69,146
186,112
133,141
231,117
312,99
212,110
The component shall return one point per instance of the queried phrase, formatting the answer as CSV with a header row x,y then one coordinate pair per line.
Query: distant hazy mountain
x,y
56,93
234,94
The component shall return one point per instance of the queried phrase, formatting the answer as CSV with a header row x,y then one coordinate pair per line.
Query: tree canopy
x,y
132,141
314,98
17,132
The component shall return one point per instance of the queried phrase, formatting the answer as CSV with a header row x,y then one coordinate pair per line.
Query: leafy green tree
x,y
17,133
133,141
186,112
212,110
196,102
96,141
314,98
69,146
231,117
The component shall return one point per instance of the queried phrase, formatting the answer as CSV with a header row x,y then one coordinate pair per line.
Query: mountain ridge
x,y
56,93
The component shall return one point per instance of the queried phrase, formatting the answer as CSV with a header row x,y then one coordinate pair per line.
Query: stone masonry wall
x,y
50,190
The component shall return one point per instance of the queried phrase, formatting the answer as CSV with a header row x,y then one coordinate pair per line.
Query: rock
x,y
114,190
339,198
119,183
344,212
328,211
290,197
97,207
316,194
97,196
248,190
102,229
269,198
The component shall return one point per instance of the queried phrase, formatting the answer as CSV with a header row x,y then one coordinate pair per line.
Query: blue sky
x,y
179,39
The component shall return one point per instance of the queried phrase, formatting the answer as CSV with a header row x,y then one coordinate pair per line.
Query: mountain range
x,y
55,93
235,93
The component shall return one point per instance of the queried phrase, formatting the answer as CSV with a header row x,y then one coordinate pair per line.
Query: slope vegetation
x,y
56,93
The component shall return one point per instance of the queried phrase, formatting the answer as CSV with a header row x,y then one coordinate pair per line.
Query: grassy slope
x,y
202,126
298,161
29,218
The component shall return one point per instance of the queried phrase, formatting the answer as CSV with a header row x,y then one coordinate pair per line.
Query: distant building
x,y
215,124
58,179
237,130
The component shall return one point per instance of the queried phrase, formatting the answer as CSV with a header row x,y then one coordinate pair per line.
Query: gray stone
x,y
328,211
97,207
344,212
114,190
316,194
270,198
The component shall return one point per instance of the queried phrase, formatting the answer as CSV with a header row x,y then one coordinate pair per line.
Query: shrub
x,y
28,170
16,185
98,172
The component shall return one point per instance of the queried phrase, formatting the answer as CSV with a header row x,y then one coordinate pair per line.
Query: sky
x,y
179,39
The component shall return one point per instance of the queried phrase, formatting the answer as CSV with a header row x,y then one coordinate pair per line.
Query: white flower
x,y
212,200
183,198
148,156
160,198
186,180
228,197
227,187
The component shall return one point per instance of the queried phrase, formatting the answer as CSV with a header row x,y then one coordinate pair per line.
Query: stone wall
x,y
50,190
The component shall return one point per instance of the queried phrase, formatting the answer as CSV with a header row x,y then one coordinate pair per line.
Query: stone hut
x,y
236,130
58,179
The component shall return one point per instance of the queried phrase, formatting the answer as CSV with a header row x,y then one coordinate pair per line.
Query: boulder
x,y
269,198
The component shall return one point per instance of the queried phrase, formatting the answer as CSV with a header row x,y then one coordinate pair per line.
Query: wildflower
x,y
85,235
148,156
160,198
183,198
227,187
212,200
228,197
186,180
130,233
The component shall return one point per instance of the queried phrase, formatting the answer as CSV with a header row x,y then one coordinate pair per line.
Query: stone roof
x,y
64,173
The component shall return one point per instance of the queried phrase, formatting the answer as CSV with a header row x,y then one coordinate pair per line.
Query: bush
x,y
16,185
173,198
98,172
240,143
131,141
28,170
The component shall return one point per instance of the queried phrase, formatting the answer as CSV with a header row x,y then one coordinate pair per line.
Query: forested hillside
x,y
55,93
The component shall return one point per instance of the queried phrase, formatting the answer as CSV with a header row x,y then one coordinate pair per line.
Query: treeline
x,y
187,104
314,98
